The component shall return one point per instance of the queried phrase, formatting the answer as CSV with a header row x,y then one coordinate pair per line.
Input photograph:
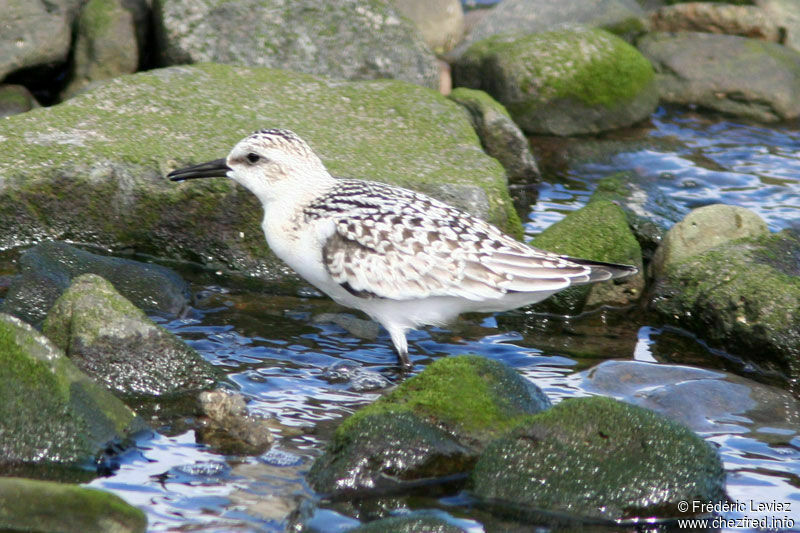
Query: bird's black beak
x,y
213,169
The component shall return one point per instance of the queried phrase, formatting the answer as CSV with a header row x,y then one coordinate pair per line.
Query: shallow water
x,y
306,376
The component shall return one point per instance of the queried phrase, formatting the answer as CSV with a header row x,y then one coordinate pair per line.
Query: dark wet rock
x,y
357,327
598,231
499,134
598,458
534,16
46,270
353,39
730,74
229,428
106,44
409,523
710,17
702,229
743,296
562,82
432,425
15,99
113,341
49,507
51,412
649,211
707,401
441,22
92,168
33,34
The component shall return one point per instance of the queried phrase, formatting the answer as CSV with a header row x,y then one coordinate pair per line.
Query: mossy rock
x,y
562,82
598,231
499,134
113,341
598,458
51,412
412,523
92,168
743,296
49,507
433,424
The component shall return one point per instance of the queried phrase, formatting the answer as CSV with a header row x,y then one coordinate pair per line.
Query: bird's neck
x,y
299,189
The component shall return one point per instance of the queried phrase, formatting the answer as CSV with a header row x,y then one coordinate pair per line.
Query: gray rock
x,y
433,424
735,75
47,269
419,522
562,82
441,22
51,412
742,296
32,33
15,99
105,44
499,134
534,16
50,507
598,458
113,341
710,17
786,15
350,39
702,229
92,169
228,428
357,327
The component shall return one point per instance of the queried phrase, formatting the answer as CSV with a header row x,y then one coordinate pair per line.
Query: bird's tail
x,y
601,271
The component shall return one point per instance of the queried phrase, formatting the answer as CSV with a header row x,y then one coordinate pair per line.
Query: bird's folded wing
x,y
411,257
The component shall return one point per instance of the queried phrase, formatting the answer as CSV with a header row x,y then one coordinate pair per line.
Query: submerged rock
x,y
409,523
92,168
228,428
432,425
598,231
350,39
562,82
51,412
600,459
734,75
49,507
46,270
499,134
113,341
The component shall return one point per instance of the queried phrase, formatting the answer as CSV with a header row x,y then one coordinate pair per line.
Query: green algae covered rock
x,y
49,507
433,424
562,82
601,459
597,231
92,169
50,411
499,134
743,296
113,341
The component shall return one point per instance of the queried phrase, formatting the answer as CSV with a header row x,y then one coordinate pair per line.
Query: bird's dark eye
x,y
253,157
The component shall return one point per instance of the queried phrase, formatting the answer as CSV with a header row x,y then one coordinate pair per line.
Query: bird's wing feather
x,y
409,248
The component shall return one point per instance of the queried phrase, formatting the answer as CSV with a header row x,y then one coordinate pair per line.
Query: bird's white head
x,y
271,163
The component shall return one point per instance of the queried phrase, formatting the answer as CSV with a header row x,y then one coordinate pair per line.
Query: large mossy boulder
x,y
562,82
92,169
598,231
51,412
433,424
49,507
598,458
47,269
727,73
743,296
349,39
113,341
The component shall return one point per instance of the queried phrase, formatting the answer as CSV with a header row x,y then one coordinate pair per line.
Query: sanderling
x,y
403,258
